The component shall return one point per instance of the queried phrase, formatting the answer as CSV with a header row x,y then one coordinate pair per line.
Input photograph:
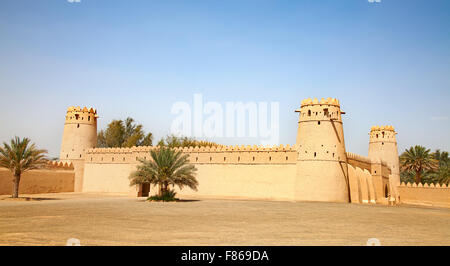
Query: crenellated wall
x,y
431,195
55,177
225,172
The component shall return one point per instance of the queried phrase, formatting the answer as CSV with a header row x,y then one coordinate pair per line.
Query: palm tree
x,y
418,160
443,174
442,157
20,156
167,167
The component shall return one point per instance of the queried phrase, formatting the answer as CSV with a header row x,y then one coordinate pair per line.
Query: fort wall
x,y
251,172
56,177
429,195
368,179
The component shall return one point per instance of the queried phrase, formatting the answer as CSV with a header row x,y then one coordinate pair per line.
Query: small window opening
x,y
315,154
253,158
287,158
309,112
239,159
78,125
318,122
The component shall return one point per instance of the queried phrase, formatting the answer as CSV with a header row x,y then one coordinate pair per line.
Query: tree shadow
x,y
19,199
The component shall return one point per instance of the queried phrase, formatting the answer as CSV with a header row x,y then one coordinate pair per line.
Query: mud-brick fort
x,y
316,168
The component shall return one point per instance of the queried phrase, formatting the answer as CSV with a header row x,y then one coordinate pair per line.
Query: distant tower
x,y
383,145
322,173
80,134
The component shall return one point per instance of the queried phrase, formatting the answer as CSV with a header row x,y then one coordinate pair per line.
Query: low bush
x,y
168,195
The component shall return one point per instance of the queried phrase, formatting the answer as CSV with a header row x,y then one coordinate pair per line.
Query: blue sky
x,y
387,63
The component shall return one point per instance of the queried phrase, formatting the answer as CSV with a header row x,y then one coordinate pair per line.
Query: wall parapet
x,y
357,157
426,185
58,165
216,155
218,148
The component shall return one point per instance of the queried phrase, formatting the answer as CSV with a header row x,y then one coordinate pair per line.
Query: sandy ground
x,y
52,219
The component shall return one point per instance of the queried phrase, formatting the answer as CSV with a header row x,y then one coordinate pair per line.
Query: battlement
x,y
282,154
420,185
323,101
57,165
382,128
326,110
81,115
219,148
359,158
382,134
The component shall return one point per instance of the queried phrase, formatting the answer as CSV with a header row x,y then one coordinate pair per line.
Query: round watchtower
x,y
383,145
80,133
322,173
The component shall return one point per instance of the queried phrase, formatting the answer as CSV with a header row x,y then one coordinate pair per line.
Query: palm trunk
x,y
15,193
160,193
418,177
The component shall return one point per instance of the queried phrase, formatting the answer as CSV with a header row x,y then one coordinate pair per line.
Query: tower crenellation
x,y
78,115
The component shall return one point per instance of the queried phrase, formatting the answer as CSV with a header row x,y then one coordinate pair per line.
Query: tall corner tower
x,y
322,173
80,134
383,145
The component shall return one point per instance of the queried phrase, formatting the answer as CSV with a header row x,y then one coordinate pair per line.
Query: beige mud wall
x,y
224,172
108,177
271,182
38,181
428,195
267,182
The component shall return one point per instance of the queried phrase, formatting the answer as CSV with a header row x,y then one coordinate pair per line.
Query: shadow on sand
x,y
27,199
180,200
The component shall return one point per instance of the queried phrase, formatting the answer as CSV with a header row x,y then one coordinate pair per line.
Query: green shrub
x,y
168,195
